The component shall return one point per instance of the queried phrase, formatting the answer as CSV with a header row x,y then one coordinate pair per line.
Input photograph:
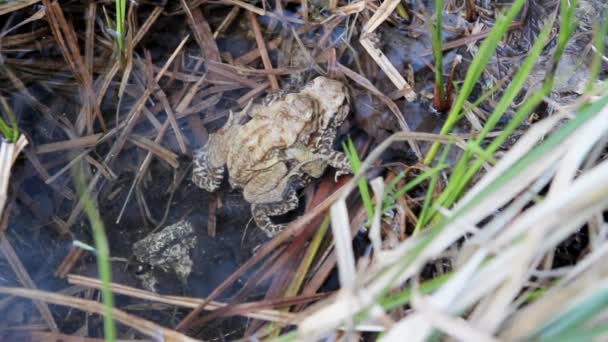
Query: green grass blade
x,y
10,133
428,209
436,43
102,253
599,43
390,198
355,162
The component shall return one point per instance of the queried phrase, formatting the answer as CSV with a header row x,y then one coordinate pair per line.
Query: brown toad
x,y
285,143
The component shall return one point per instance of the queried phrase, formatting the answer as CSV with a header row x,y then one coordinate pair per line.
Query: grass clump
x,y
486,50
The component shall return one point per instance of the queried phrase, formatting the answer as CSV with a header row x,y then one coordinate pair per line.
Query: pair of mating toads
x,y
283,145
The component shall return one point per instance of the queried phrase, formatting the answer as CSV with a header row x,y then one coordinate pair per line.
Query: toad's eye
x,y
142,268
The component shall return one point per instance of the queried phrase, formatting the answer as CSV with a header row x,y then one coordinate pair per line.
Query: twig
x,y
259,38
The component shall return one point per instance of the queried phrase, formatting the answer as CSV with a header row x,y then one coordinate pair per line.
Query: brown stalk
x,y
259,38
156,149
144,326
160,94
242,308
202,105
185,302
245,5
161,132
68,262
23,38
471,10
89,42
203,36
252,94
64,35
16,5
254,54
219,69
152,119
71,144
228,20
211,218
251,71
304,11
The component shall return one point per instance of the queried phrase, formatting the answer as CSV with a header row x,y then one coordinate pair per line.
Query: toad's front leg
x,y
338,161
204,174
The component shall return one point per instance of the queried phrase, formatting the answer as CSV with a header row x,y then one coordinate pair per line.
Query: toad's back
x,y
259,145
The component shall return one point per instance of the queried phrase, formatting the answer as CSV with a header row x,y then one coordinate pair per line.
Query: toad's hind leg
x,y
262,211
273,193
204,174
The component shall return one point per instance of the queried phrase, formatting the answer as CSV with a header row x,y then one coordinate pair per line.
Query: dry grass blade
x,y
33,335
340,228
351,8
382,13
12,6
65,37
25,279
254,54
71,144
153,147
144,326
202,32
18,39
229,19
259,38
249,7
389,69
8,155
185,302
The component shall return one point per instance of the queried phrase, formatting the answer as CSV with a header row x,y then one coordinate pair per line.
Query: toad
x,y
166,251
273,149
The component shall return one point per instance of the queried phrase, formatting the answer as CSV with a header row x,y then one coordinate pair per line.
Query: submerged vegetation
x,y
477,219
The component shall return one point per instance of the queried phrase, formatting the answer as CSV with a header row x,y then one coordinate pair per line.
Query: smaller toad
x,y
285,143
166,251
